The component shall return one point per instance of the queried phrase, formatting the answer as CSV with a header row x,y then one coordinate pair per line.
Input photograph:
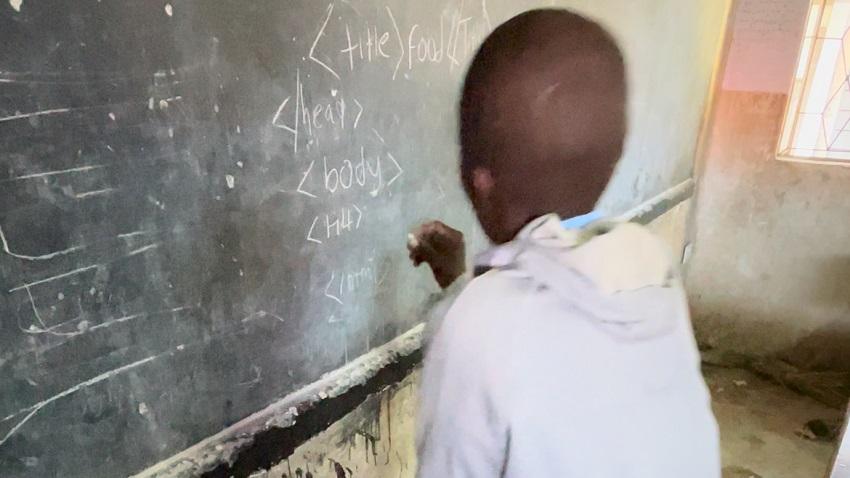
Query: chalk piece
x,y
412,241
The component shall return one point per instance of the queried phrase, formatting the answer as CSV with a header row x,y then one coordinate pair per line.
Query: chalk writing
x,y
115,266
348,283
43,257
373,174
374,47
299,116
454,38
319,35
356,174
56,277
335,224
35,408
45,174
304,177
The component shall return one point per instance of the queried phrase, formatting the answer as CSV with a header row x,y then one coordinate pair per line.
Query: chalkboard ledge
x,y
272,434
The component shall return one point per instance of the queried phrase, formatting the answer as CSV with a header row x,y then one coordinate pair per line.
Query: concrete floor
x,y
760,425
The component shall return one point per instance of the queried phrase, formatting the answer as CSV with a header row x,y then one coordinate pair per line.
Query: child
x,y
573,354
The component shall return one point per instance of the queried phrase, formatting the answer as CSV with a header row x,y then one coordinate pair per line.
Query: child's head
x,y
542,120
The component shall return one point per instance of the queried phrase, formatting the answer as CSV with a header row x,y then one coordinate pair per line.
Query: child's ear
x,y
483,182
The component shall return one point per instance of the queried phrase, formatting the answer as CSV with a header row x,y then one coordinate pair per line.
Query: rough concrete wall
x,y
771,268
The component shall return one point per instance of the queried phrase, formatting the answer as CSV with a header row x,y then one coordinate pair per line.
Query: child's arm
x,y
443,249
438,305
462,427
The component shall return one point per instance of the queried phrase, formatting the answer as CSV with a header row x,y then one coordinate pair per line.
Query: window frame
x,y
808,54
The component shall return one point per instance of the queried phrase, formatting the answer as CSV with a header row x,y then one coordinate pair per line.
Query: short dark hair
x,y
547,89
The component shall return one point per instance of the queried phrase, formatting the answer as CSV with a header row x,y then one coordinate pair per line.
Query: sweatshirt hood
x,y
617,275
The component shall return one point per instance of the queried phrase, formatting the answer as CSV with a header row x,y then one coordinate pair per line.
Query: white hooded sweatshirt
x,y
572,357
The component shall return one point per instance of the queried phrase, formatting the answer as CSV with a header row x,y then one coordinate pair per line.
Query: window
x,y
817,120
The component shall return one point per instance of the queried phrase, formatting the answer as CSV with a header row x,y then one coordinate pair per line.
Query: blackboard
x,y
203,204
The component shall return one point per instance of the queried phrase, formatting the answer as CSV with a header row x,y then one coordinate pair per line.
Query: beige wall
x,y
771,269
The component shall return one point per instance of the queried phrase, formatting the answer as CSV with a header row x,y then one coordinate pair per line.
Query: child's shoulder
x,y
495,286
478,326
492,299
